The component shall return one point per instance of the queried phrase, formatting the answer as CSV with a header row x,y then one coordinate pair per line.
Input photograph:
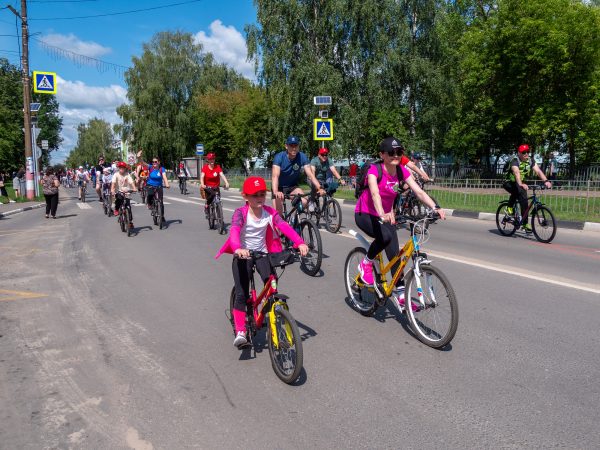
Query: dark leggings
x,y
242,271
150,196
119,199
385,237
51,203
517,193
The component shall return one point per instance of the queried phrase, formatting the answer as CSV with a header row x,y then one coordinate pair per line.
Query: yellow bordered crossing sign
x,y
44,82
323,130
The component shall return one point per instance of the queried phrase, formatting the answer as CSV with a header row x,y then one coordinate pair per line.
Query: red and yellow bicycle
x,y
283,336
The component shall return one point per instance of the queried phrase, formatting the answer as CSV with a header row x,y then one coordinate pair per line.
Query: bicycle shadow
x,y
167,223
516,235
136,230
389,312
308,331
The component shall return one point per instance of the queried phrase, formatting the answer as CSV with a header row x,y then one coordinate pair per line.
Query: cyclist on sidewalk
x,y
285,175
122,184
374,209
157,178
519,169
211,177
257,227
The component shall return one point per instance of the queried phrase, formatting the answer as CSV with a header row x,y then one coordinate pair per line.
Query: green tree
x,y
12,154
50,125
94,138
160,89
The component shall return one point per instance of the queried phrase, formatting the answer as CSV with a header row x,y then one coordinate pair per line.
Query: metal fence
x,y
568,199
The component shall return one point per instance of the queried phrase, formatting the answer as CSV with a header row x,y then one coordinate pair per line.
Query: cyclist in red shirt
x,y
211,177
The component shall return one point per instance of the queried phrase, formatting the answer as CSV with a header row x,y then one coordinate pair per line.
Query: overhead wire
x,y
118,13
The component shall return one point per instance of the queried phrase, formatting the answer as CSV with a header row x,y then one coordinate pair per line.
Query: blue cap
x,y
417,155
292,140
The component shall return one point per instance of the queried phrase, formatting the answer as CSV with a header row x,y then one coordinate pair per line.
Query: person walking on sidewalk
x,y
3,192
50,184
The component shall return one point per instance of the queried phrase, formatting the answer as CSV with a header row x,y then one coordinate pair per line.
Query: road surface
x,y
115,342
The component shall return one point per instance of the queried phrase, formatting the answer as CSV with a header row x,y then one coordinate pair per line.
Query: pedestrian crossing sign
x,y
44,82
323,130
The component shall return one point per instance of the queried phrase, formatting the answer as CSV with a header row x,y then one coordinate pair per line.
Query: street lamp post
x,y
29,168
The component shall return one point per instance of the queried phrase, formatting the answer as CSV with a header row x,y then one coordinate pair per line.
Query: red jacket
x,y
273,240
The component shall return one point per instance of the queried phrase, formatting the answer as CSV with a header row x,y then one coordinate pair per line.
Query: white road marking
x,y
564,282
84,206
182,200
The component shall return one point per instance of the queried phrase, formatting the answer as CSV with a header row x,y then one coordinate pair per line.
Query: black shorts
x,y
287,190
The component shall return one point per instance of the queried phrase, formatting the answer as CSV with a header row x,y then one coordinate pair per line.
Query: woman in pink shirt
x,y
374,213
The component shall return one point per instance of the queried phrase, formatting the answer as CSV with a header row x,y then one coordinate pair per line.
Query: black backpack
x,y
361,179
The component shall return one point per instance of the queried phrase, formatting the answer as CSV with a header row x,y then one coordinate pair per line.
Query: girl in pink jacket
x,y
254,226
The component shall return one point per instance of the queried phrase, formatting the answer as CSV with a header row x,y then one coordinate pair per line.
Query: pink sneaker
x,y
400,296
366,271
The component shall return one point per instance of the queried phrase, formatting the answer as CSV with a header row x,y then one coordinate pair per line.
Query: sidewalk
x,y
8,209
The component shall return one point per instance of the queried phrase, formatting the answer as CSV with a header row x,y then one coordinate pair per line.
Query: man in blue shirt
x,y
285,175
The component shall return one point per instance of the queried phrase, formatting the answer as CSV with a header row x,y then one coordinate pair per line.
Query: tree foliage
x,y
12,152
94,138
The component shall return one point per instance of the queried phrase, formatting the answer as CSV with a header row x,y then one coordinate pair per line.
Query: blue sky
x,y
83,90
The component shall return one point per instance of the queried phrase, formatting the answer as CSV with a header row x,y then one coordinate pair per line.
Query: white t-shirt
x,y
122,183
254,233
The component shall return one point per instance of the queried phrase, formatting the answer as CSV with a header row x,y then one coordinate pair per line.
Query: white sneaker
x,y
240,339
11,201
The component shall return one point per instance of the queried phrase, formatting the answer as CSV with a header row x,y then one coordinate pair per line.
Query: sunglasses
x,y
395,152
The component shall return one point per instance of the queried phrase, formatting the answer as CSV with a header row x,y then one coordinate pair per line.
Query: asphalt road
x,y
109,342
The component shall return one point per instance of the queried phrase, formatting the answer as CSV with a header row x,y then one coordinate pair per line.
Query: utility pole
x,y
29,166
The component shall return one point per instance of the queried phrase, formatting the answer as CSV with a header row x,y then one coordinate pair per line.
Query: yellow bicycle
x,y
433,311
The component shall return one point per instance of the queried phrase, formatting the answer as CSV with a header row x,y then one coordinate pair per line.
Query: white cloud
x,y
74,44
228,46
80,103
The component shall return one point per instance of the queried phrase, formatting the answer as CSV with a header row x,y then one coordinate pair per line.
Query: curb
x,y
21,210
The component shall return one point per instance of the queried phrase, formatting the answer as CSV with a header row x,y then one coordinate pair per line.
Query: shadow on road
x,y
137,230
66,216
168,223
306,331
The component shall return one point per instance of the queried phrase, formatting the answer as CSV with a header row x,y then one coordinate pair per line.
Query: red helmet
x,y
523,148
211,156
121,164
181,165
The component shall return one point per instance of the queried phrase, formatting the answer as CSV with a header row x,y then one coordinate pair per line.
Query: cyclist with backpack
x,y
377,187
520,168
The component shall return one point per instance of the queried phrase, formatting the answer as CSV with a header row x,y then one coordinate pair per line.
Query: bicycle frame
x,y
259,302
410,250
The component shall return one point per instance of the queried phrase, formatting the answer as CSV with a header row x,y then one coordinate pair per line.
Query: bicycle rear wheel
x,y
543,224
435,323
333,216
161,217
362,298
311,263
505,222
286,356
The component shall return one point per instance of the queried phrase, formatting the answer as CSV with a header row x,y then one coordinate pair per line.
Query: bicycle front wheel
x,y
362,298
311,263
286,356
122,221
220,222
543,224
432,310
211,217
333,216
505,222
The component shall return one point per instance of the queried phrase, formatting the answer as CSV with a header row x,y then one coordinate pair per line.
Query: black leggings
x,y
119,199
150,196
384,234
242,271
51,203
517,193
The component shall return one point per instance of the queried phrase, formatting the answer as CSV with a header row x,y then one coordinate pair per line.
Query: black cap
x,y
390,144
